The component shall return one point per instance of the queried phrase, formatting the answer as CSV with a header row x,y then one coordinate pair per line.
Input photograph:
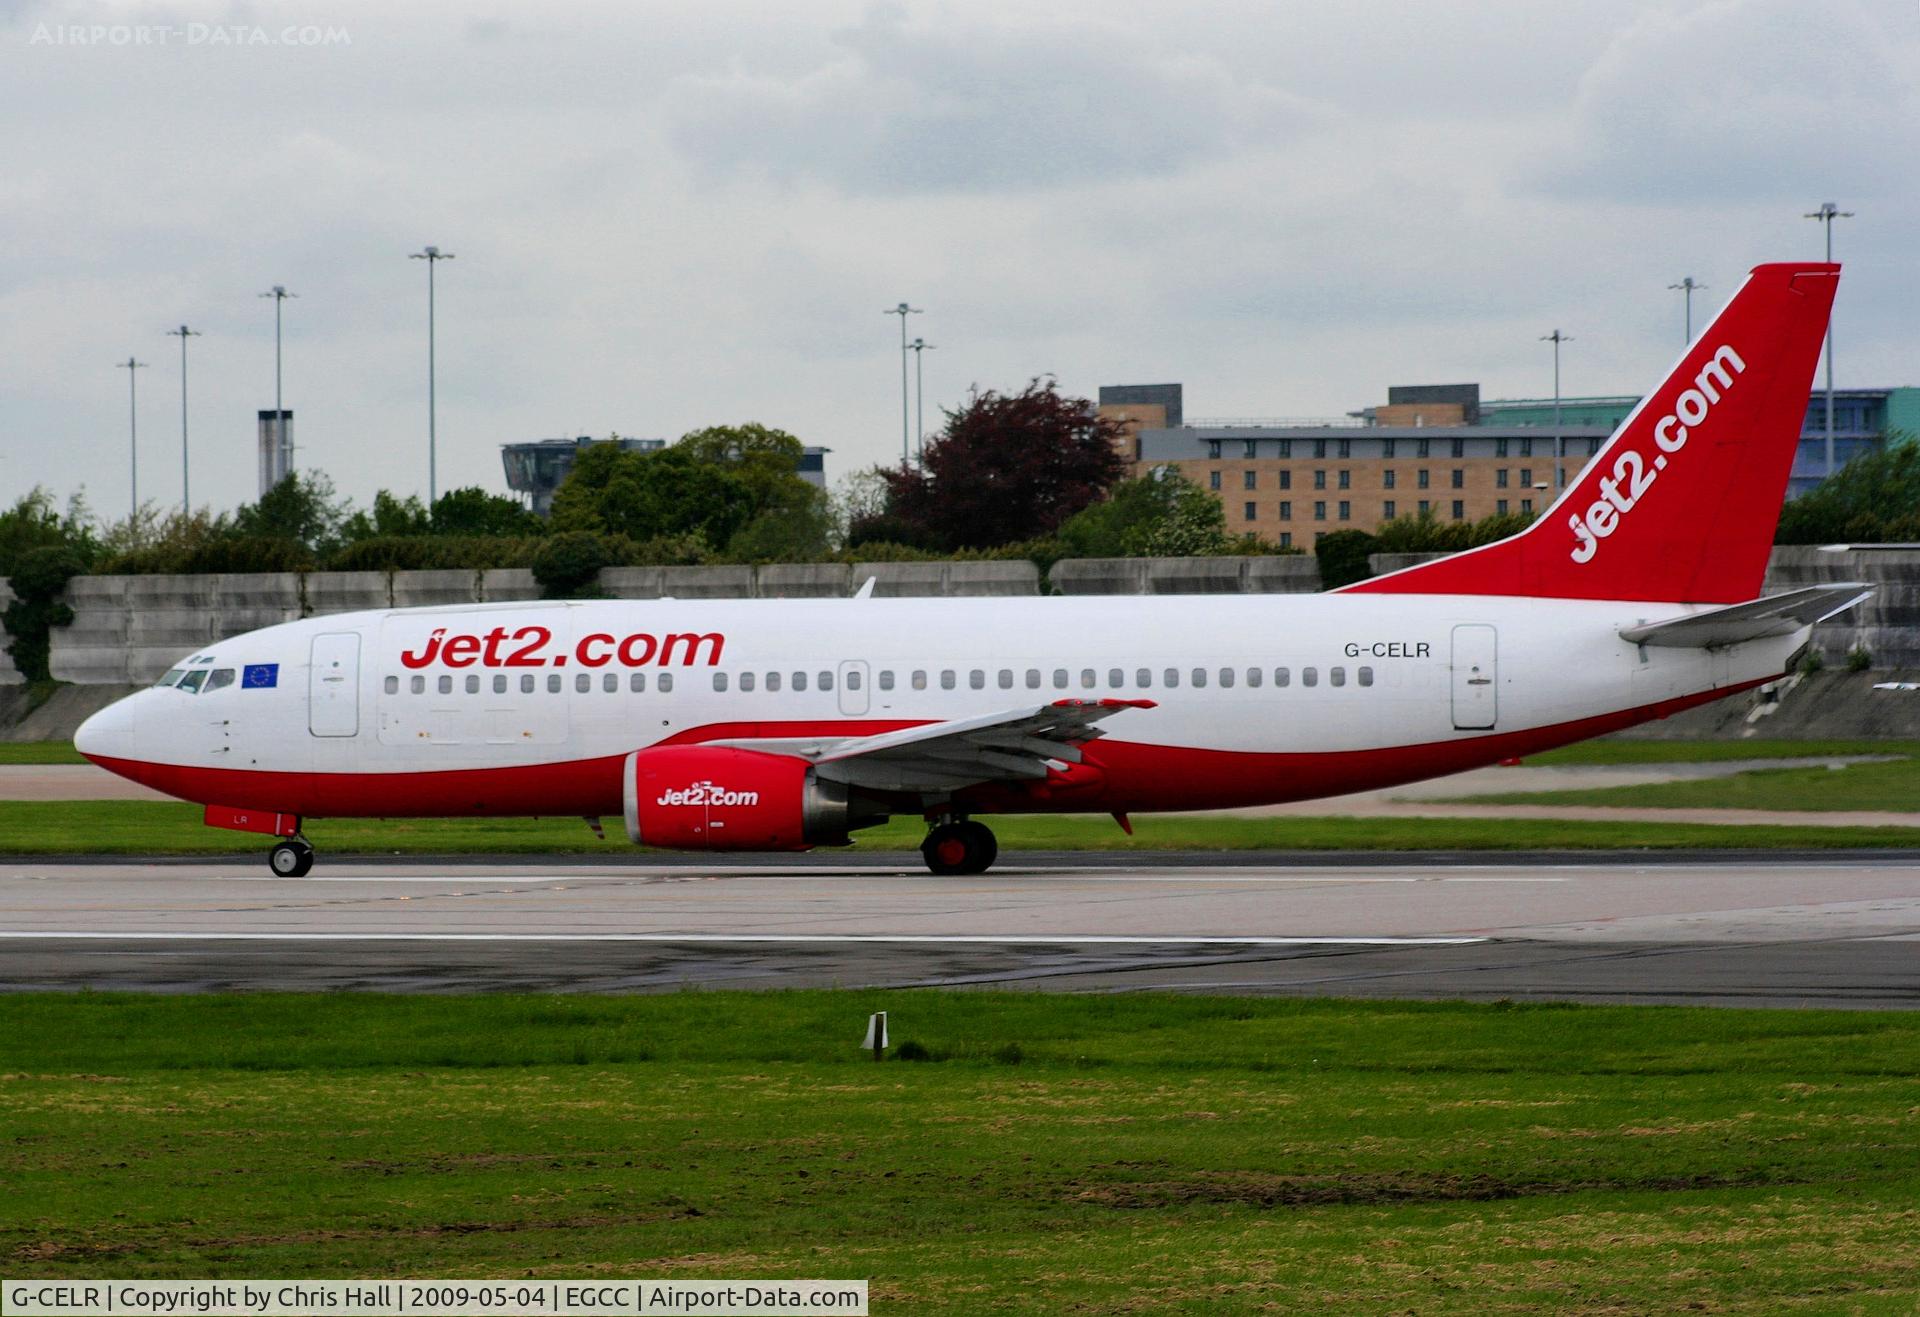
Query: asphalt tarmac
x,y
1758,930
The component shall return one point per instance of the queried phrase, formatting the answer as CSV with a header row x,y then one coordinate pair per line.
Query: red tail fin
x,y
1682,502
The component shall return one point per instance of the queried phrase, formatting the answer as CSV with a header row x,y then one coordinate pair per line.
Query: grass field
x,y
1889,786
39,752
145,827
1144,1153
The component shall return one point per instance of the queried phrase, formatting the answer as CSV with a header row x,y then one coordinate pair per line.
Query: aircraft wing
x,y
1776,615
1011,746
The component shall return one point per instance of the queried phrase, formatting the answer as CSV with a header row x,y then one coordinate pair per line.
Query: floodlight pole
x,y
183,334
133,433
1827,214
432,256
903,311
919,345
1559,446
1688,286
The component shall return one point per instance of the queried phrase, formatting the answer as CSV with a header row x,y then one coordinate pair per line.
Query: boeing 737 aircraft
x,y
784,725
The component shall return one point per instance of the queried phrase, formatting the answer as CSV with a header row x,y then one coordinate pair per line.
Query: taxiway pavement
x,y
1842,931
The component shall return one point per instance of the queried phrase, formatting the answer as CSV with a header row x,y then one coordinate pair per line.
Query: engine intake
x,y
714,798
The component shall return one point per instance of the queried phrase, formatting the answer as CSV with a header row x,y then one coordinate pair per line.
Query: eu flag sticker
x,y
260,676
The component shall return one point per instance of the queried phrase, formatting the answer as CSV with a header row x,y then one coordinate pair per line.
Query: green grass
x,y
1888,786
143,827
39,752
1146,1153
1611,751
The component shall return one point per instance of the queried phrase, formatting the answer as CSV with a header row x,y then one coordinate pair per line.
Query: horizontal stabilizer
x,y
1776,615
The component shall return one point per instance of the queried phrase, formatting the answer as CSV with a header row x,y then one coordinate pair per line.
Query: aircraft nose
x,y
112,733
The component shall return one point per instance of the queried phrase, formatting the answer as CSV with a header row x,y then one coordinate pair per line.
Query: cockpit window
x,y
192,682
216,679
173,675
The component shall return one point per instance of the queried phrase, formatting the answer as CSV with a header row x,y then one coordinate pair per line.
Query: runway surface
x,y
1799,931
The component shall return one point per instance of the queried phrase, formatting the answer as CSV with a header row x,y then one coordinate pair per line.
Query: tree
x,y
1007,468
1872,499
473,511
1162,513
34,523
648,495
301,508
1342,555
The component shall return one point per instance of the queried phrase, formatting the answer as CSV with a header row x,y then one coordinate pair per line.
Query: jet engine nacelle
x,y
712,798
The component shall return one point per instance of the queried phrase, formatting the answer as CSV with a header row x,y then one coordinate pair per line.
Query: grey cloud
x,y
1748,100
945,107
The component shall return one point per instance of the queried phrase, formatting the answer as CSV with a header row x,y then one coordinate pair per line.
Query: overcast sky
x,y
668,215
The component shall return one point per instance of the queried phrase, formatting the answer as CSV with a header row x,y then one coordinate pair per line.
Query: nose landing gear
x,y
292,858
959,846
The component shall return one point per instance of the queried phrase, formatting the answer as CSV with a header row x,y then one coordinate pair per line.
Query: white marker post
x,y
876,1033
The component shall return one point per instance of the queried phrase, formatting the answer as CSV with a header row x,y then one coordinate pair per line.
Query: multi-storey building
x,y
1435,449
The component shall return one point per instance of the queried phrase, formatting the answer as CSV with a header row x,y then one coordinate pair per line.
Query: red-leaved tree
x,y
1007,468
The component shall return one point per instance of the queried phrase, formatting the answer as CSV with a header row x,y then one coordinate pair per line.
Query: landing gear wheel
x,y
959,848
292,858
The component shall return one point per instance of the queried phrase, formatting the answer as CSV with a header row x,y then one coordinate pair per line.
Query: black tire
x,y
290,859
955,849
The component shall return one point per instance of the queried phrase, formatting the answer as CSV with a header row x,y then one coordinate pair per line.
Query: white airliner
x,y
783,725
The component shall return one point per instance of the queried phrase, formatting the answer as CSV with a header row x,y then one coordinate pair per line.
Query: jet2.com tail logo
x,y
1633,475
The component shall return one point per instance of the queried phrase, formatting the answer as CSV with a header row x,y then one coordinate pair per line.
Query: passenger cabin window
x,y
826,682
1033,679
719,681
1226,677
976,680
1059,679
392,686
553,683
610,682
473,683
1116,678
1199,677
773,681
1336,676
526,683
746,681
1087,678
853,679
218,679
1309,676
1143,677
499,683
637,682
665,683
886,679
1366,676
1173,677
582,682
1253,676
1005,679
1282,677
446,685
947,681
417,685
800,680
919,679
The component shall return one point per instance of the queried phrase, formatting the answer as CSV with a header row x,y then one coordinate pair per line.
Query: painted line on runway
x,y
879,938
1053,876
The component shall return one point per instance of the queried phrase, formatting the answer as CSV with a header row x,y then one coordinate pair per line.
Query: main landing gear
x,y
292,858
959,846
